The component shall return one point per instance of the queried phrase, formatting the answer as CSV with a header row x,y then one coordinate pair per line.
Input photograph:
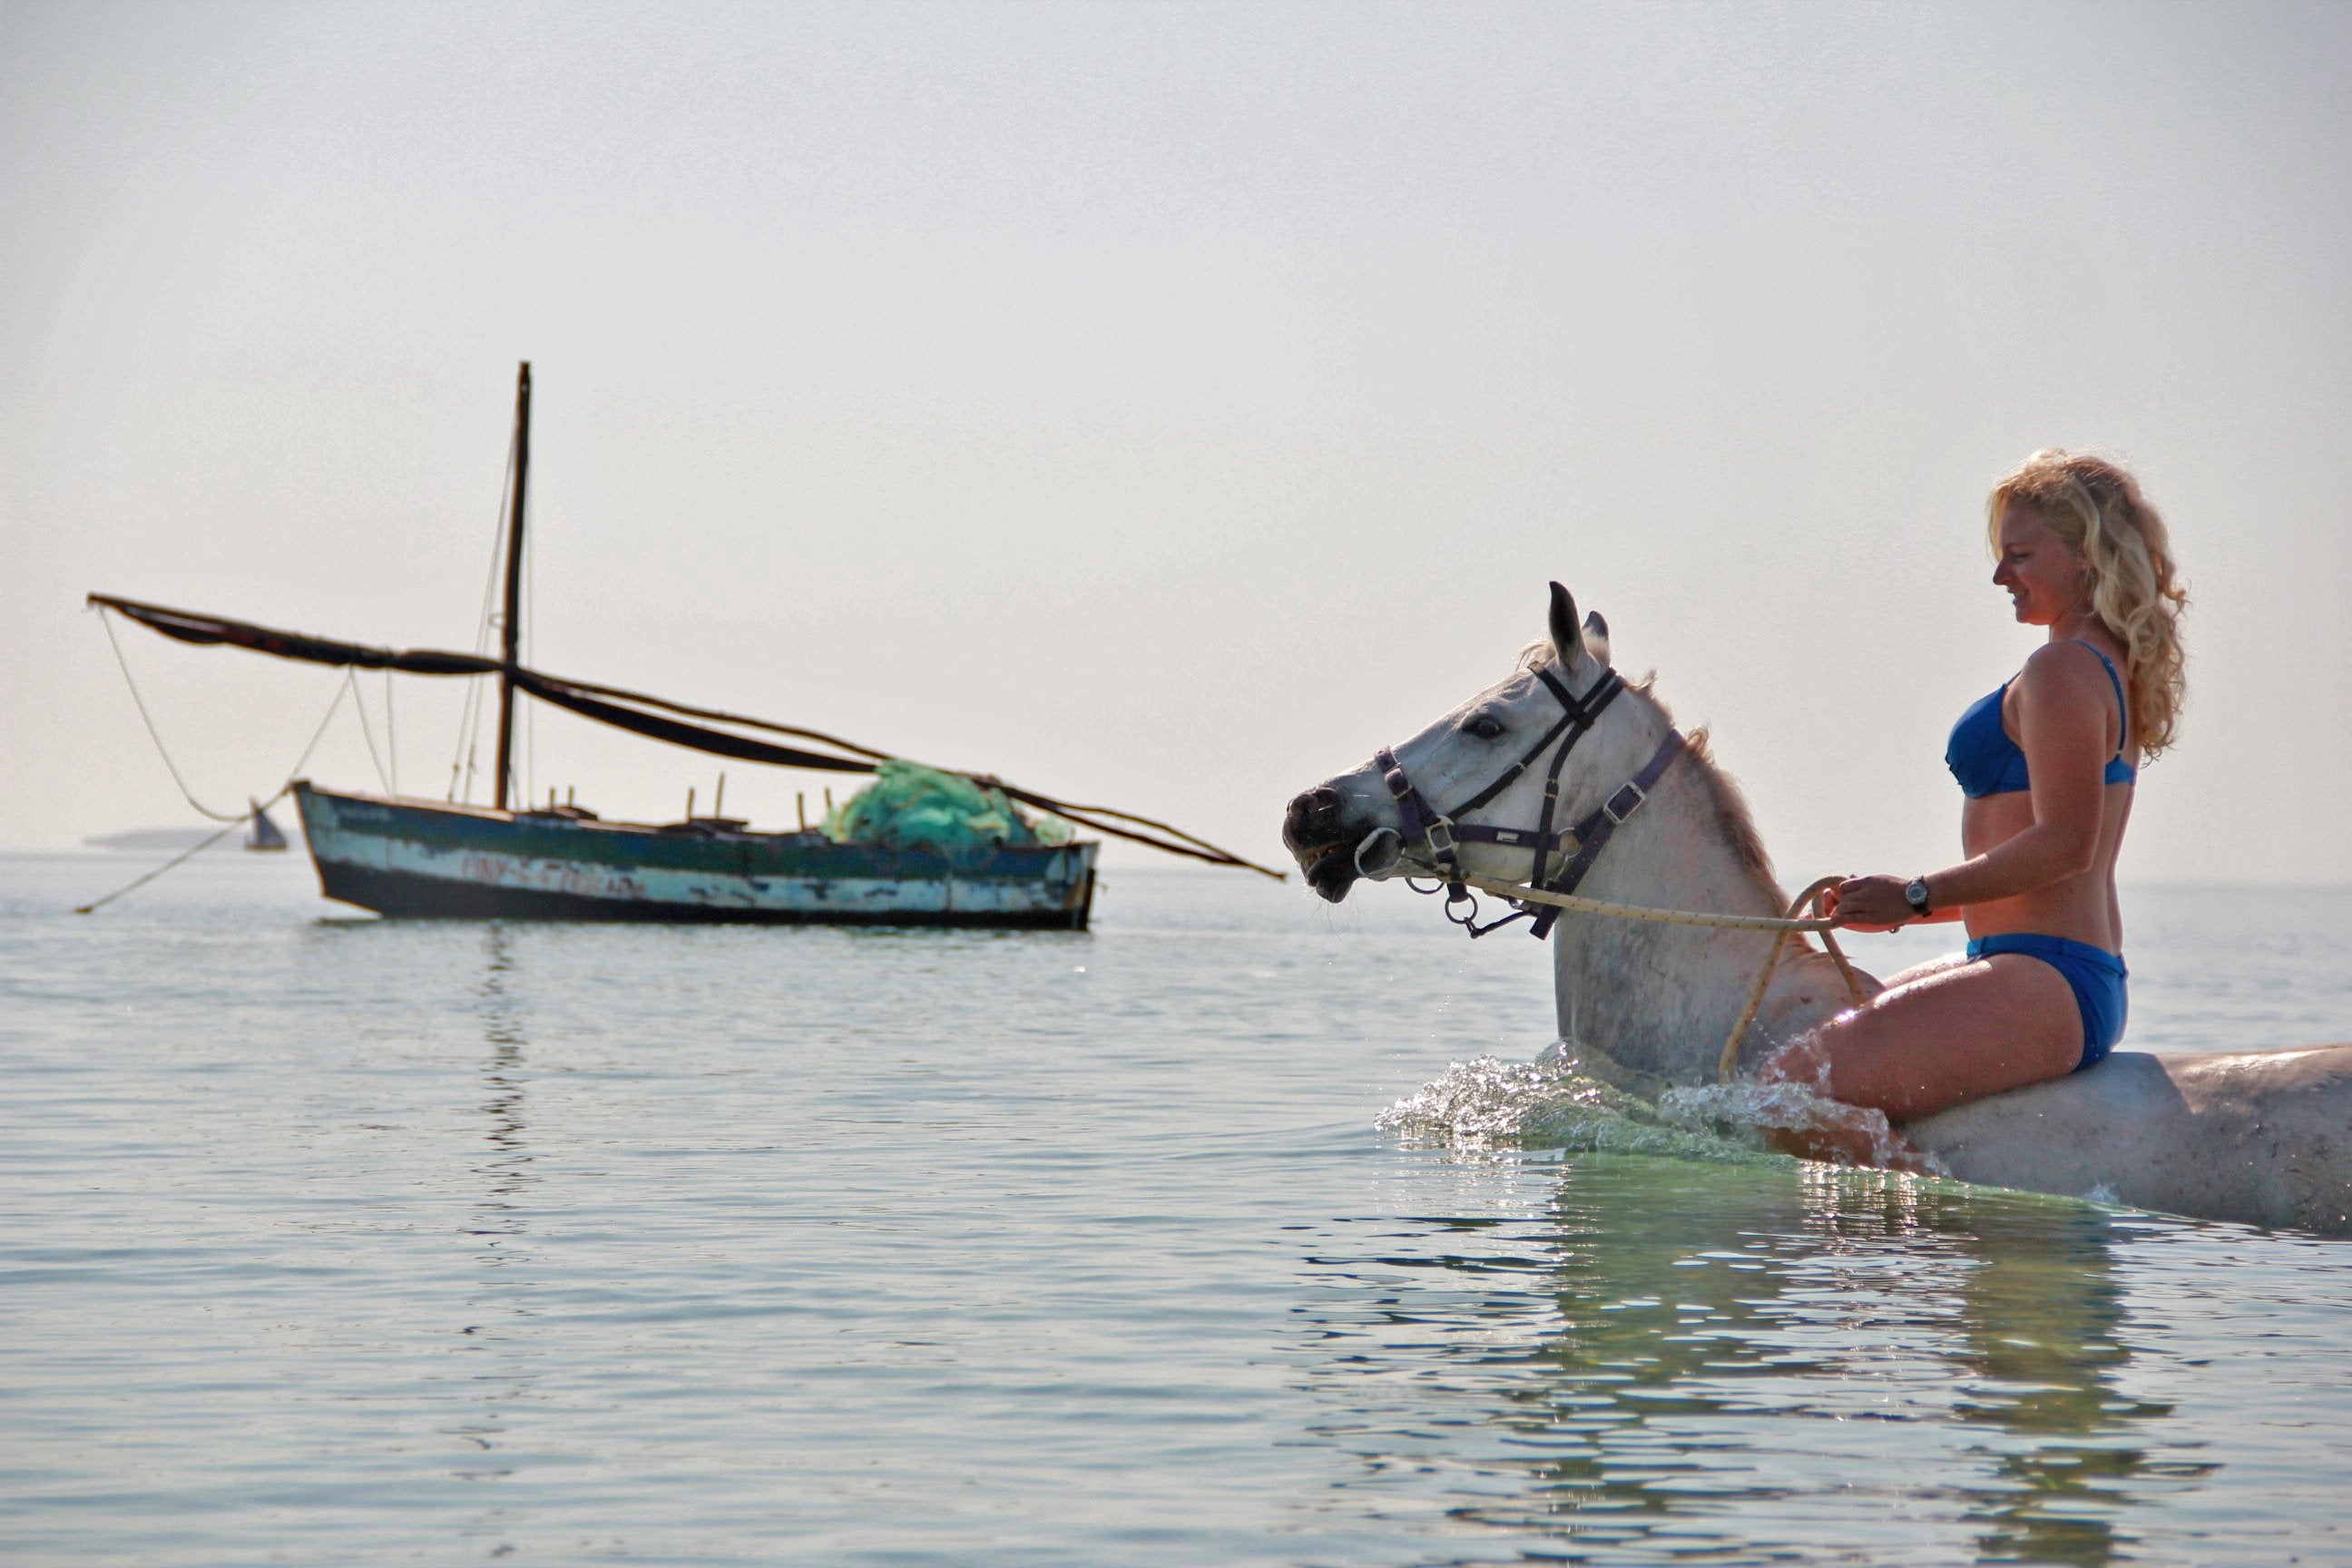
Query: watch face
x,y
1918,893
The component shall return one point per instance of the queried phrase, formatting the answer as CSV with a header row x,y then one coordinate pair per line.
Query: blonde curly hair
x,y
2098,509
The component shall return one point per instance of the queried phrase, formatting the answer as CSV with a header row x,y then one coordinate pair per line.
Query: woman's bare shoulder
x,y
2062,676
2063,663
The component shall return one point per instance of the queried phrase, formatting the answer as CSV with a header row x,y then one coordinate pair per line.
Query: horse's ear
x,y
1596,637
1566,642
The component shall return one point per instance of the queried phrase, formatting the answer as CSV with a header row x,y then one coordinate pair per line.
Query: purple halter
x,y
1441,831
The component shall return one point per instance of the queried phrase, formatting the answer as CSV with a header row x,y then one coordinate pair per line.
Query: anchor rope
x,y
184,855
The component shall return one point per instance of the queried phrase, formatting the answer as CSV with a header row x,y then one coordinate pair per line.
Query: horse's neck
x,y
1661,998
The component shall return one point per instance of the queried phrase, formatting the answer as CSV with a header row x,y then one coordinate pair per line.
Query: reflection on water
x,y
507,1170
499,1312
1666,1364
2039,1322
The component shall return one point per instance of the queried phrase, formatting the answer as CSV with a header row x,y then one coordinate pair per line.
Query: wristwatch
x,y
1914,893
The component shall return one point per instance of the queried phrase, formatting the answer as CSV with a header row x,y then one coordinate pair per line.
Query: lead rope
x,y
1782,926
1730,1059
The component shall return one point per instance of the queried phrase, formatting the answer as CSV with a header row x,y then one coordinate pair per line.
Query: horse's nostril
x,y
1313,817
1309,804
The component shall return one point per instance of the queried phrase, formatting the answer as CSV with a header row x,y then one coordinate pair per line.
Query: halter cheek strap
x,y
1601,825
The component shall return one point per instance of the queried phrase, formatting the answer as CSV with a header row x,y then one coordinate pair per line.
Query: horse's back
x,y
2258,1136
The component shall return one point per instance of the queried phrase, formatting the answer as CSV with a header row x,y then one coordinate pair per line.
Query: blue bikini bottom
x,y
2096,974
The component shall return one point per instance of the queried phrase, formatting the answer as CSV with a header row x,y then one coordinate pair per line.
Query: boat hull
x,y
423,860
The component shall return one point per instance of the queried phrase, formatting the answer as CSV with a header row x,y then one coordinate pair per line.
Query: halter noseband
x,y
1441,831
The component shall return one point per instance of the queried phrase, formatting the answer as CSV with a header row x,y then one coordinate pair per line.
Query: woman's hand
x,y
1869,903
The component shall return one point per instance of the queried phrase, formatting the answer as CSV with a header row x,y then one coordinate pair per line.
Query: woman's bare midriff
x,y
2080,908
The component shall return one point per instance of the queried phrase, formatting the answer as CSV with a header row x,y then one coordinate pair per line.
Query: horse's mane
x,y
1730,806
1723,792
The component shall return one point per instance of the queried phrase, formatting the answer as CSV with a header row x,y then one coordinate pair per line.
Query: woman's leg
x,y
1921,970
1954,1034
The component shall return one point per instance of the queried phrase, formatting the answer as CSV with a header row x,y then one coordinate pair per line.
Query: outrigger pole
x,y
511,625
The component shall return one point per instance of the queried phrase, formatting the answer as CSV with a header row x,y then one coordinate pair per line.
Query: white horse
x,y
2262,1137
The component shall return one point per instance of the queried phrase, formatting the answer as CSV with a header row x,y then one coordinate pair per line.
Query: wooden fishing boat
x,y
421,858
981,860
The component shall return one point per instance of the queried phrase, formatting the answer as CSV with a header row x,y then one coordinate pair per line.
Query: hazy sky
x,y
1166,405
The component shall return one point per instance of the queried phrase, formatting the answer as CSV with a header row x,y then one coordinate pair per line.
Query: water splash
x,y
1577,1100
1554,1103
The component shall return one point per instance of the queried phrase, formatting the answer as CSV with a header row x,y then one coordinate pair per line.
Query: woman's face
x,y
2045,575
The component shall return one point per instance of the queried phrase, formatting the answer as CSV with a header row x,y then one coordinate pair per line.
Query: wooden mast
x,y
510,625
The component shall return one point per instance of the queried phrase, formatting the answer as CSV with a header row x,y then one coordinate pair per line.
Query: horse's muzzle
x,y
1318,831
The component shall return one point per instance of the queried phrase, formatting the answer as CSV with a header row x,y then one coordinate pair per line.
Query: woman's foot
x,y
1838,1134
1819,1127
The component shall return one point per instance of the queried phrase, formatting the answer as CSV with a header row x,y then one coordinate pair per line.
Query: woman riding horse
x,y
2047,763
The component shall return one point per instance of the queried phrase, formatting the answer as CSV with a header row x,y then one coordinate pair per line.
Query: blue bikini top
x,y
1987,761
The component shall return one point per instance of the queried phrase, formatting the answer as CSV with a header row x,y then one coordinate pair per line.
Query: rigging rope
x,y
529,640
107,621
390,736
359,706
470,717
233,822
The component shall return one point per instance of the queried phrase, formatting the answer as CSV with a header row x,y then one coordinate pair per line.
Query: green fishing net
x,y
911,806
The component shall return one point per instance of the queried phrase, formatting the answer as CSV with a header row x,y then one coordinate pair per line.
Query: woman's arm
x,y
2062,722
1872,897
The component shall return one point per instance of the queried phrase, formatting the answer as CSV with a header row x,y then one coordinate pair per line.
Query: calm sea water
x,y
326,1240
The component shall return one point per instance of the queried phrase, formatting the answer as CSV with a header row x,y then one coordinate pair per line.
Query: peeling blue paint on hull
x,y
420,860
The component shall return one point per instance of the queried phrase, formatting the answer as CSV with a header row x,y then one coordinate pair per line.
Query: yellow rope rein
x,y
1783,926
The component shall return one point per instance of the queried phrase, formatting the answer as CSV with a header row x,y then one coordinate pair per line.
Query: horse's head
x,y
1484,766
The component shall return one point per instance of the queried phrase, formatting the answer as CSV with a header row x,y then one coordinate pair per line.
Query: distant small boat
x,y
982,863
263,835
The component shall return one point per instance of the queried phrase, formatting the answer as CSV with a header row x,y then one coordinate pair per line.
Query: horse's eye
x,y
1486,726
